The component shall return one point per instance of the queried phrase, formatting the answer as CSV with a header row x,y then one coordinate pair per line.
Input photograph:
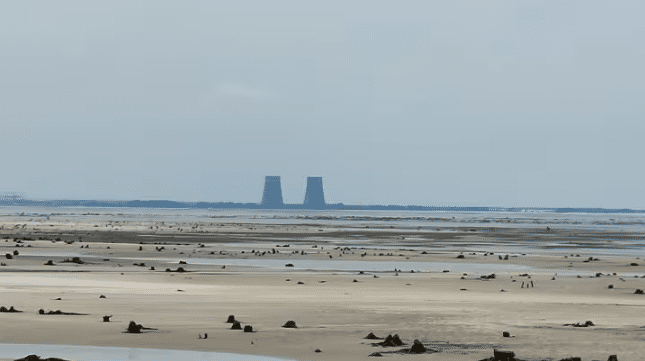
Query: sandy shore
x,y
461,316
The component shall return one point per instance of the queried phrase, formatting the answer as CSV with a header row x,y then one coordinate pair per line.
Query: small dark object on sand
x,y
317,350
461,256
133,327
49,263
180,269
248,328
571,359
15,253
506,334
289,265
391,341
354,281
613,358
76,260
57,299
375,354
633,264
301,283
504,355
152,268
586,324
290,324
236,326
230,319
106,318
37,358
102,296
417,347
8,256
182,262
59,312
372,336
501,356
639,292
610,286
11,309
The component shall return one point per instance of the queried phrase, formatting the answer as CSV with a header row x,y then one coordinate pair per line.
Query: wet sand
x,y
461,318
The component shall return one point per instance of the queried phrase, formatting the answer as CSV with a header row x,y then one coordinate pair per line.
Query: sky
x,y
439,103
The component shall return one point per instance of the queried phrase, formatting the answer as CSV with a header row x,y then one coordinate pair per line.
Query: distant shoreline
x,y
24,202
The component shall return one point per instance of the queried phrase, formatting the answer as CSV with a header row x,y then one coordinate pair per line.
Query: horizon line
x,y
13,199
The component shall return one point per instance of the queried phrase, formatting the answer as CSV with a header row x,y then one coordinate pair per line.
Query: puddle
x,y
96,353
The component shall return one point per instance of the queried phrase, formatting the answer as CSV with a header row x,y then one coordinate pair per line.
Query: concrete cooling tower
x,y
272,197
314,196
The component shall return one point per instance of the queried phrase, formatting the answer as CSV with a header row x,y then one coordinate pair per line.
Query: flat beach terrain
x,y
424,276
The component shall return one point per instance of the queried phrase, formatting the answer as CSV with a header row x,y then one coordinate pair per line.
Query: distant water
x,y
96,353
634,221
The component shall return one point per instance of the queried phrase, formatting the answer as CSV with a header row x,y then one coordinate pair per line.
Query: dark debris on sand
x,y
236,325
372,336
76,260
390,341
510,356
416,348
502,356
37,358
134,327
59,312
586,324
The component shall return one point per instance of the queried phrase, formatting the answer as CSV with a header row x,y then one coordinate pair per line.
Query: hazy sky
x,y
501,103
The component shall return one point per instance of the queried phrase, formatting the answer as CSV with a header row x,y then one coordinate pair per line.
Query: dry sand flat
x,y
333,315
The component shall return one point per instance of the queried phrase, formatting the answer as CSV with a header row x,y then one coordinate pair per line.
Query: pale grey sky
x,y
501,103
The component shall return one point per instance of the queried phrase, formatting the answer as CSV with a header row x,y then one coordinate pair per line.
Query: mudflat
x,y
454,285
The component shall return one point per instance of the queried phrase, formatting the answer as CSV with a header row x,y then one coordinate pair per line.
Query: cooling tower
x,y
314,196
272,197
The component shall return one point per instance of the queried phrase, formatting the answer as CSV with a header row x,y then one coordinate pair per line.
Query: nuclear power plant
x,y
272,196
272,199
314,196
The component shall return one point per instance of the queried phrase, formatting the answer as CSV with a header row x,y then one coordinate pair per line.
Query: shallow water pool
x,y
96,353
